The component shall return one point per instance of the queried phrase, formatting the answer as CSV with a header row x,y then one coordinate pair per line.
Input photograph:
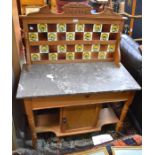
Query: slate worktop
x,y
74,78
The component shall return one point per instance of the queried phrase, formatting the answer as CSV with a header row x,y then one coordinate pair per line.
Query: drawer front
x,y
78,100
79,117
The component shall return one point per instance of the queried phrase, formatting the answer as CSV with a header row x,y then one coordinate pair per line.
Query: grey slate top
x,y
74,78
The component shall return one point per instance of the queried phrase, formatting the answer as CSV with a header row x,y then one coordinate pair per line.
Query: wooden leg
x,y
34,139
124,112
59,144
30,116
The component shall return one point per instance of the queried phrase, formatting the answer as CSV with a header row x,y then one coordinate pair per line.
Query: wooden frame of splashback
x,y
74,13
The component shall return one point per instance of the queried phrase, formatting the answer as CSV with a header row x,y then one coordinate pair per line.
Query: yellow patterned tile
x,y
33,36
79,48
70,56
70,36
97,28
61,48
114,28
102,55
79,27
86,55
44,48
35,56
104,36
42,27
52,36
61,27
95,47
53,56
87,35
111,48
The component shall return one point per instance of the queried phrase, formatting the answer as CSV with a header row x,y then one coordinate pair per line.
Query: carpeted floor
x,y
48,144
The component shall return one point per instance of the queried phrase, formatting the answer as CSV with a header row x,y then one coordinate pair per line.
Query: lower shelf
x,y
107,116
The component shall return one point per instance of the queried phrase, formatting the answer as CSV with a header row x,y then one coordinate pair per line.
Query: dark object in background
x,y
116,6
137,28
95,5
131,58
99,6
126,29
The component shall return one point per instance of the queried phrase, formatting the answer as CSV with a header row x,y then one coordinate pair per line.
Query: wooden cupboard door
x,y
79,117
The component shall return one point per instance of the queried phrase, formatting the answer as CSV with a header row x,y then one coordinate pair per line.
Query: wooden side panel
x,y
80,117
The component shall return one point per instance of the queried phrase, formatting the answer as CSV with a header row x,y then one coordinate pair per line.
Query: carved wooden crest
x,y
73,9
77,8
109,12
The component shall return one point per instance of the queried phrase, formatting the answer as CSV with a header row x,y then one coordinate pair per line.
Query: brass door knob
x,y
64,120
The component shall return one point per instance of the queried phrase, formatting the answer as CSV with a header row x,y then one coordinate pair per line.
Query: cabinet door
x,y
79,117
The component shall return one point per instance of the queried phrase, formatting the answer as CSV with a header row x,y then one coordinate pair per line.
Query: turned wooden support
x,y
124,112
30,116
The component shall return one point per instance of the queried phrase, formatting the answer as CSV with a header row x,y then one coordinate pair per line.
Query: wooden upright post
x,y
132,19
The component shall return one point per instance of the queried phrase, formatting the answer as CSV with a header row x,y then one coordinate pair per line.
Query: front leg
x,y
124,111
30,116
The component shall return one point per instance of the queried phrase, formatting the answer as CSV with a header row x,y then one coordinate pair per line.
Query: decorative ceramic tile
x,y
86,55
102,55
97,28
52,36
35,56
114,28
95,47
70,36
33,36
53,56
70,56
44,48
87,35
42,27
111,48
79,27
104,36
79,48
61,48
61,27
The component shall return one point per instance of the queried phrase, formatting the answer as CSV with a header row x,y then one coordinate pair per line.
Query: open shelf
x,y
107,116
47,118
50,123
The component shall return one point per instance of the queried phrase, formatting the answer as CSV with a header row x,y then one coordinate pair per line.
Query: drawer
x,y
77,100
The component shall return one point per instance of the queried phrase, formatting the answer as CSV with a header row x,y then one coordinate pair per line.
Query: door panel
x,y
79,117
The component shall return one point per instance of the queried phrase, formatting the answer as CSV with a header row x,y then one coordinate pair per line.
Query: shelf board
x,y
47,119
107,116
71,61
71,42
